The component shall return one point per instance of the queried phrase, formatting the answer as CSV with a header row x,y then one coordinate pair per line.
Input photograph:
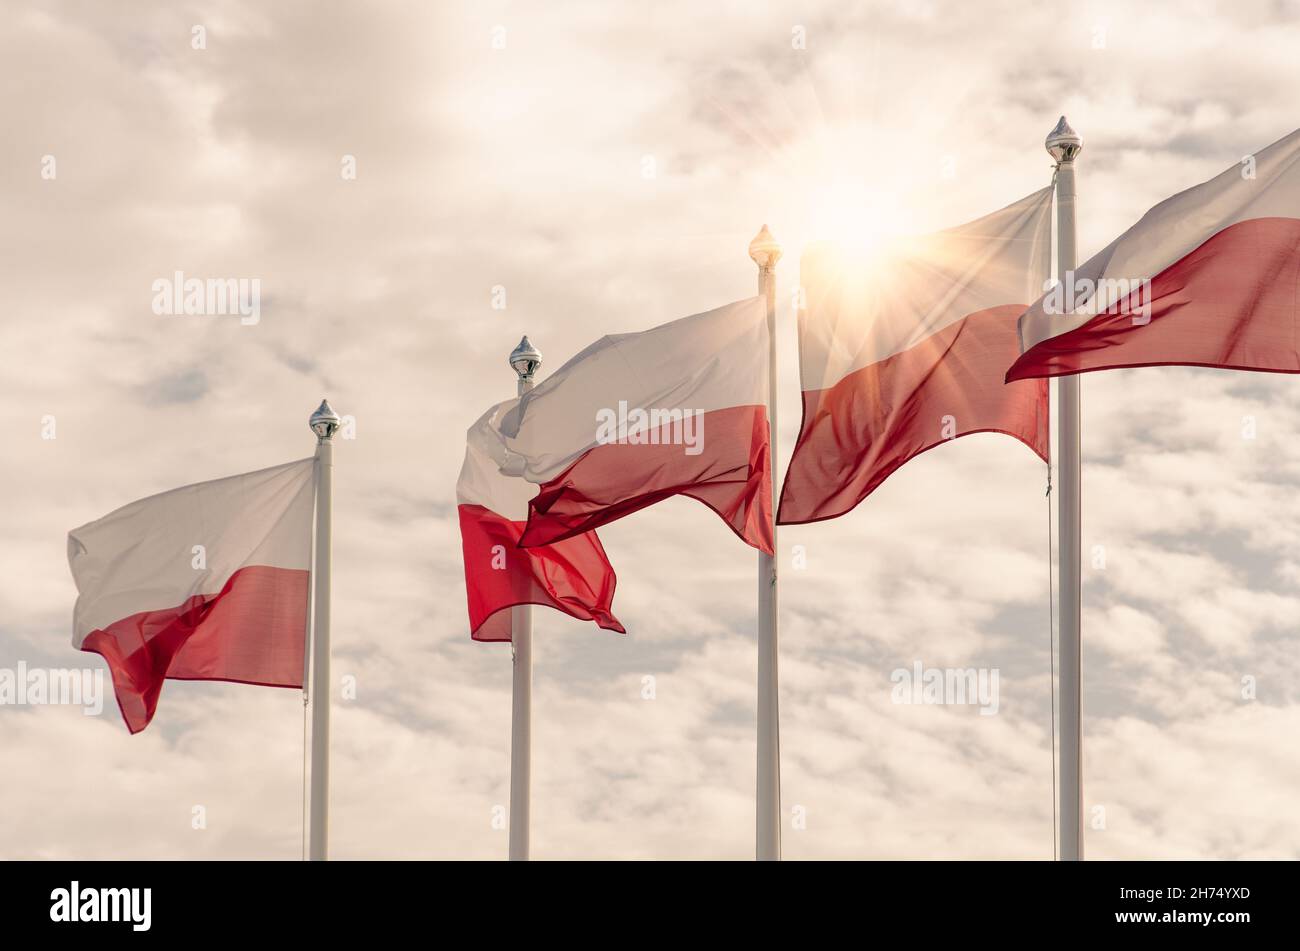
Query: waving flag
x,y
680,409
908,350
1209,277
572,575
205,582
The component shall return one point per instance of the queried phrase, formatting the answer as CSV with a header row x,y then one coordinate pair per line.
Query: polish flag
x,y
573,575
906,351
205,582
1209,277
635,418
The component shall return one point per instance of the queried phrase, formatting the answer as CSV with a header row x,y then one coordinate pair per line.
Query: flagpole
x,y
324,423
765,252
524,360
1064,144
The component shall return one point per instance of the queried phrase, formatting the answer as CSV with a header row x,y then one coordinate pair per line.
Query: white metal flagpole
x,y
765,252
1063,144
324,423
524,359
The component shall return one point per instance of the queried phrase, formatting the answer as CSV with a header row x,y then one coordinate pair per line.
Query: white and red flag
x,y
1209,277
205,582
680,409
573,575
906,350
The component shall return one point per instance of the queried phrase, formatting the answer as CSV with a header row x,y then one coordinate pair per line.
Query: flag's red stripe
x,y
731,475
253,631
867,425
1233,303
573,576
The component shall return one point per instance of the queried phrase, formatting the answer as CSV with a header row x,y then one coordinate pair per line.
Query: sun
x,y
854,216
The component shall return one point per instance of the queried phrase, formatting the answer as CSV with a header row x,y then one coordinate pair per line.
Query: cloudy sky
x,y
607,165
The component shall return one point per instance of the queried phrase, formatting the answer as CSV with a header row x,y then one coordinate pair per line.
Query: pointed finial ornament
x,y
1063,143
764,250
324,422
525,359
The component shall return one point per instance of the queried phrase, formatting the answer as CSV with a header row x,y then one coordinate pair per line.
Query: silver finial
x,y
764,250
525,359
324,422
1063,143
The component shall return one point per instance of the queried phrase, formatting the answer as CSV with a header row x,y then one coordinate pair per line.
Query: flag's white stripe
x,y
710,361
862,311
1268,187
481,480
142,556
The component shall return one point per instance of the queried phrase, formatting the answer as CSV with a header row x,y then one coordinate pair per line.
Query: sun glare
x,y
853,216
